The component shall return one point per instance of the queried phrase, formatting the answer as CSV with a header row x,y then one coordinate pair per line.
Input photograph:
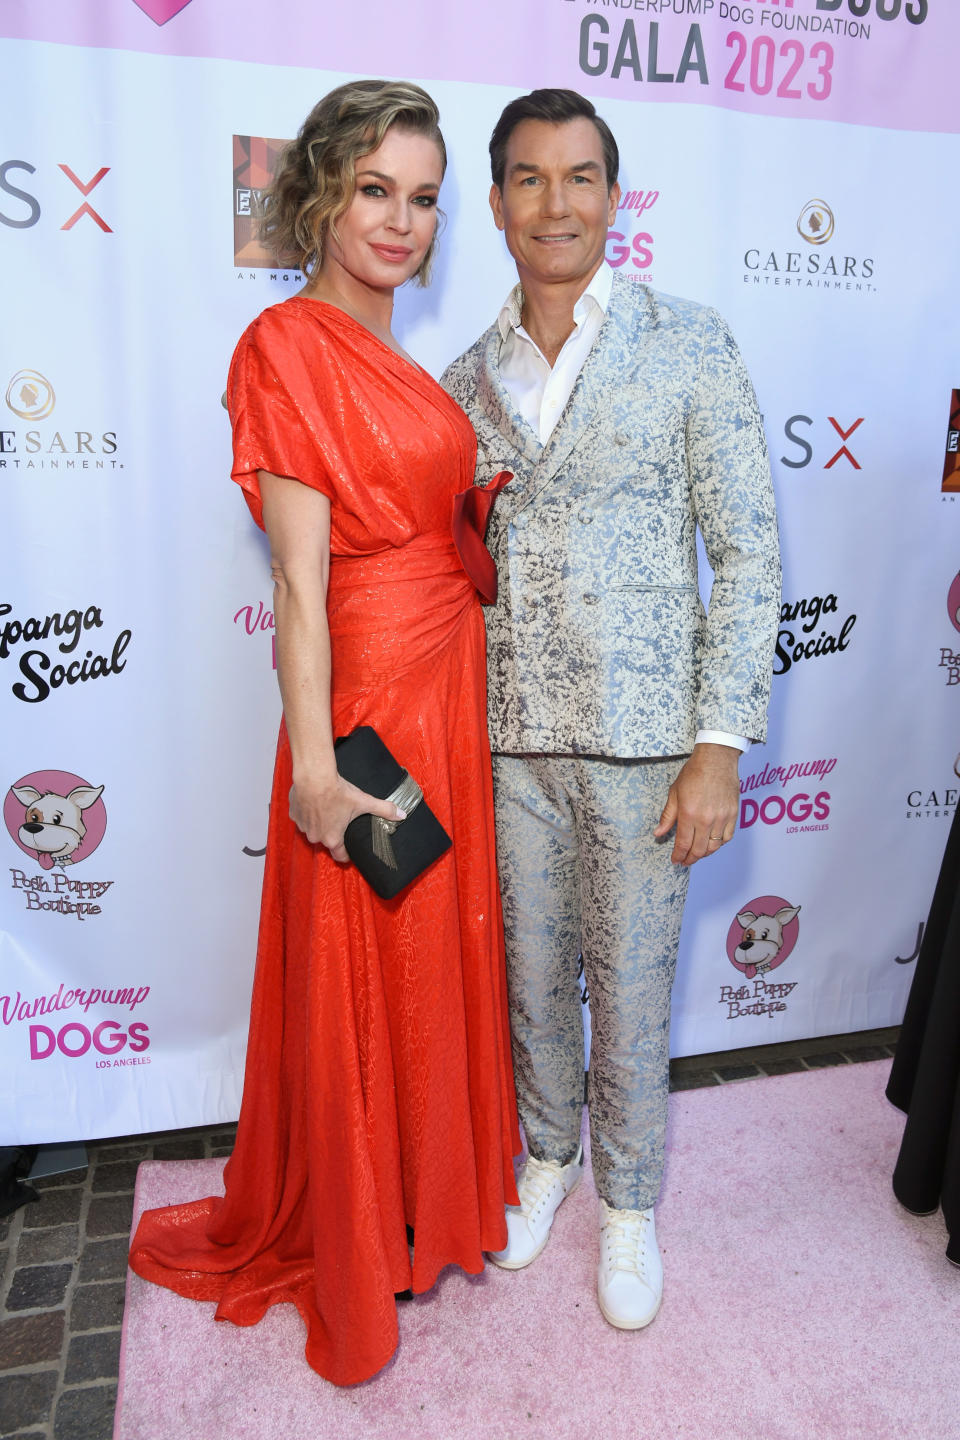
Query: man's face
x,y
555,208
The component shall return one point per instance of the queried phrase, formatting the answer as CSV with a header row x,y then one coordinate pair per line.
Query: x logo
x,y
86,208
844,435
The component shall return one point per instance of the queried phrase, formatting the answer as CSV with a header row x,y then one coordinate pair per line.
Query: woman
x,y
378,1091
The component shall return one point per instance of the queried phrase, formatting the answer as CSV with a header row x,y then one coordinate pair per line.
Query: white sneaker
x,y
630,1273
543,1185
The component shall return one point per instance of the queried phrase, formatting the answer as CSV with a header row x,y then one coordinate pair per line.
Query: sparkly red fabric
x,y
378,1085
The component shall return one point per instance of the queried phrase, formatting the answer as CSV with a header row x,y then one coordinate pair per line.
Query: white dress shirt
x,y
540,392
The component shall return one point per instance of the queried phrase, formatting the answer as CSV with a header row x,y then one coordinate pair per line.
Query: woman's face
x,y
387,228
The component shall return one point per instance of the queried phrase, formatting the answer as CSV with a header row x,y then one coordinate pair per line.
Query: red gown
x,y
378,1085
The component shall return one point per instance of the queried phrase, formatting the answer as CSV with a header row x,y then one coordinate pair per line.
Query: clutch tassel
x,y
407,796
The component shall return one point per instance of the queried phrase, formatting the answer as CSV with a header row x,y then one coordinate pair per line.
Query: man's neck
x,y
548,311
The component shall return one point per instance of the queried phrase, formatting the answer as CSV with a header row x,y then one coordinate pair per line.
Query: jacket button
x,y
620,438
584,518
590,599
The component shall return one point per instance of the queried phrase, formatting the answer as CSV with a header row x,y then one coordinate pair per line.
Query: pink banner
x,y
886,63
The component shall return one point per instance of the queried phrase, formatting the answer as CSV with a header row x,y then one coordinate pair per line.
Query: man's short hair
x,y
555,106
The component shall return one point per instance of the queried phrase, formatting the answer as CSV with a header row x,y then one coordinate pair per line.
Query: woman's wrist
x,y
315,774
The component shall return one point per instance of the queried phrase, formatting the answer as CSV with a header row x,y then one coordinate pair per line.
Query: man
x,y
617,708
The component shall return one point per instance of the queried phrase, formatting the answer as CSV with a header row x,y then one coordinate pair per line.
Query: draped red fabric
x,y
378,1088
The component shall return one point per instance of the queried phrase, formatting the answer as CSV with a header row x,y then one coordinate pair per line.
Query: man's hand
x,y
703,803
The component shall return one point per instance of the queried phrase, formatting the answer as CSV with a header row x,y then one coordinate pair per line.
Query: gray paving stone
x,y
38,1287
86,1414
93,1357
30,1339
693,1080
56,1182
25,1399
186,1149
825,1061
116,1175
781,1067
135,1150
219,1151
104,1260
97,1307
224,1137
861,1053
55,1207
61,1243
736,1072
110,1215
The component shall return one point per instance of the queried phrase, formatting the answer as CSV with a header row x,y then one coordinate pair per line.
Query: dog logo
x,y
762,935
30,395
816,222
55,817
953,602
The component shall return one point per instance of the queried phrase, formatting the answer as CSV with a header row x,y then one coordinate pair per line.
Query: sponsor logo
x,y
841,454
934,802
77,1038
950,659
256,620
909,959
20,208
30,396
799,619
630,245
797,803
254,162
926,803
761,937
951,460
816,222
819,267
57,819
42,673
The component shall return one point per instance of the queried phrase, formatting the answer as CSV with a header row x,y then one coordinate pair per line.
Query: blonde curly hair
x,y
315,178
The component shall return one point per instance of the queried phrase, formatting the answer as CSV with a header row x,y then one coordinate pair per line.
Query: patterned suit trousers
x,y
581,873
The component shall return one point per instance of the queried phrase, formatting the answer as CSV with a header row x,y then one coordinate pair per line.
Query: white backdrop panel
x,y
114,459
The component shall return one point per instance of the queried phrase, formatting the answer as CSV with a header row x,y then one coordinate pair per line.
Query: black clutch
x,y
388,853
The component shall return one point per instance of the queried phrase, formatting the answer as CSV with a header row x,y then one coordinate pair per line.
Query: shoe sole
x,y
522,1264
628,1324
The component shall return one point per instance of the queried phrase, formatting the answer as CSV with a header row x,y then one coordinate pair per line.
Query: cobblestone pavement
x,y
63,1259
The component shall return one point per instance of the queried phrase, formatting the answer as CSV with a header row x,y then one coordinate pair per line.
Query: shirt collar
x,y
597,293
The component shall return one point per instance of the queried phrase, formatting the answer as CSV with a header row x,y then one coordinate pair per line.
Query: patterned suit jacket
x,y
598,643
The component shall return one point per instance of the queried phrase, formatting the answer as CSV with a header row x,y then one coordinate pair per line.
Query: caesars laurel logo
x,y
30,395
816,222
771,261
62,445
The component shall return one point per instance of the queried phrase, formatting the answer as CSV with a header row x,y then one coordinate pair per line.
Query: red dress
x,y
378,1085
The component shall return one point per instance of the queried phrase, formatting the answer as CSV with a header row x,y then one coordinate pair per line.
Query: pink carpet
x,y
801,1303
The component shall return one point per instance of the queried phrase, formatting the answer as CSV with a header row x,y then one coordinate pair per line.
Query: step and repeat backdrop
x,y
792,162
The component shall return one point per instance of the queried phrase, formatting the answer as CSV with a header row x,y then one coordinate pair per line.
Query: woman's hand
x,y
323,810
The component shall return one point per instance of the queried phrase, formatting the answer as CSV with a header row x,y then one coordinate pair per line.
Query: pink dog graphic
x,y
53,825
762,939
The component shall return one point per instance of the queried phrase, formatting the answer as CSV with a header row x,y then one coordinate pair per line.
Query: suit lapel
x,y
497,405
613,354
